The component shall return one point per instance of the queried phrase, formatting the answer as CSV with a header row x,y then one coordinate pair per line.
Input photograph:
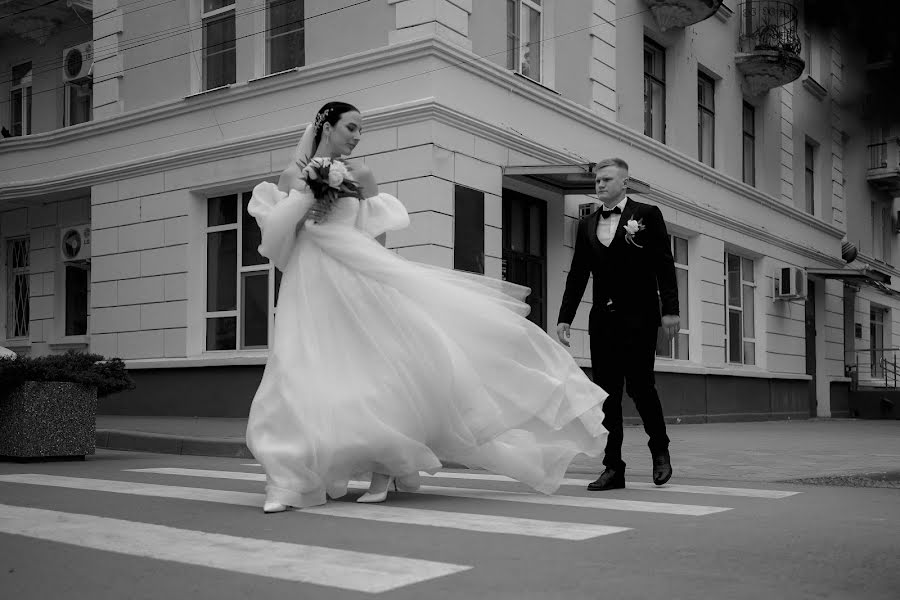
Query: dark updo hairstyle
x,y
330,113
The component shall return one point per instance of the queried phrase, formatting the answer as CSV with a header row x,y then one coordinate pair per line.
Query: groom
x,y
625,246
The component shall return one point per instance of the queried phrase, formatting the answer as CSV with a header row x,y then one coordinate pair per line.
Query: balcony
x,y
38,20
769,47
670,14
883,170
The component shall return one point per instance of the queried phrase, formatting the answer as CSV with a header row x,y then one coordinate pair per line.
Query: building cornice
x,y
387,117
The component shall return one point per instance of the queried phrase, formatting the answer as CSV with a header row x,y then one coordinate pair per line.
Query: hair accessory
x,y
320,118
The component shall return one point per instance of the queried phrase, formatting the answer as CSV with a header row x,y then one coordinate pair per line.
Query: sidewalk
x,y
757,451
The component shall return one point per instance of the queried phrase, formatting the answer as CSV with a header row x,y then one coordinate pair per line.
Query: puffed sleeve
x,y
277,215
382,213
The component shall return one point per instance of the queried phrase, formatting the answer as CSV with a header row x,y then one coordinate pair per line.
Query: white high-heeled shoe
x,y
275,507
369,498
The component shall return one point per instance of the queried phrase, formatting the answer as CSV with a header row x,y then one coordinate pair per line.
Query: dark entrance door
x,y
525,249
811,344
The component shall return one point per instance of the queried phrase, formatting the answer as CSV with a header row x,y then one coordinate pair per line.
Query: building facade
x,y
137,131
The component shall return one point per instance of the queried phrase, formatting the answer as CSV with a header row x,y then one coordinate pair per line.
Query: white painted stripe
x,y
345,569
637,485
669,487
391,514
530,498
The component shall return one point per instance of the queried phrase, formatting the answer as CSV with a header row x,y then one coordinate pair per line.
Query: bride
x,y
386,366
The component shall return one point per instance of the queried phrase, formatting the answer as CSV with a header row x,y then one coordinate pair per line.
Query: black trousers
x,y
625,353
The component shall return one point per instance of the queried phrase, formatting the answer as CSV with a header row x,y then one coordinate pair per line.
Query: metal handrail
x,y
878,368
878,155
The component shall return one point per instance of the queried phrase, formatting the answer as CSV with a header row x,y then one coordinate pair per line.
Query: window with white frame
x,y
219,55
706,119
241,285
678,346
17,288
285,35
882,231
654,90
524,26
20,99
79,98
740,318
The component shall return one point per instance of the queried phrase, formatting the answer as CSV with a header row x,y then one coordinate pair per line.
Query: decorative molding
x,y
418,110
815,88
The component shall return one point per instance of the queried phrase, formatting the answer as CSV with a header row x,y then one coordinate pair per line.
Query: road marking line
x,y
345,569
638,485
669,487
391,514
526,497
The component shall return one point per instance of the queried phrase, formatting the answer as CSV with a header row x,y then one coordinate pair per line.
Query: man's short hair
x,y
611,162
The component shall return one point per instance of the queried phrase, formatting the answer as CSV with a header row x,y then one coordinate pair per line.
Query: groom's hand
x,y
670,324
562,332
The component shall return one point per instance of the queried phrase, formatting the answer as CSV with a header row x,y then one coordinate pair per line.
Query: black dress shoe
x,y
662,467
610,479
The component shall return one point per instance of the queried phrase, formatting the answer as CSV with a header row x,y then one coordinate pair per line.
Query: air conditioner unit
x,y
75,243
790,282
77,61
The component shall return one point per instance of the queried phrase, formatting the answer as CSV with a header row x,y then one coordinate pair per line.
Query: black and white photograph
x,y
449,299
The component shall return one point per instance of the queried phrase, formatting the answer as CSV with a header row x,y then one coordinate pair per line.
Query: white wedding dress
x,y
380,364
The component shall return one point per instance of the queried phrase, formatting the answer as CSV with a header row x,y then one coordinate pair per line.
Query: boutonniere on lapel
x,y
632,228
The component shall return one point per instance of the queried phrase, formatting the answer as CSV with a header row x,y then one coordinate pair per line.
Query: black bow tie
x,y
608,213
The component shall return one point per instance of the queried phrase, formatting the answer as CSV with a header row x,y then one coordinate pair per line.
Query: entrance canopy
x,y
573,178
863,274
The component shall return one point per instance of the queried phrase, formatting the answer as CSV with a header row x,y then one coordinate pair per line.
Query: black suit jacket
x,y
637,279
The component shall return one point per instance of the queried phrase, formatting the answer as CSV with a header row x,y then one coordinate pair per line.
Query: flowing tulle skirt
x,y
384,365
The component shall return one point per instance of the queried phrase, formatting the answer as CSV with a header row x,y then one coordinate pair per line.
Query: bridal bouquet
x,y
329,180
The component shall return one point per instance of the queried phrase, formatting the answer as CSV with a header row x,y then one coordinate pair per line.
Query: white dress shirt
x,y
606,228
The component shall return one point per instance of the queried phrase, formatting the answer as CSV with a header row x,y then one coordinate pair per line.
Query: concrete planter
x,y
48,419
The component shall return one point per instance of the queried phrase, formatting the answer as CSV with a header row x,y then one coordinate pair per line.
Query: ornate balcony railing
x,y
769,46
884,165
769,25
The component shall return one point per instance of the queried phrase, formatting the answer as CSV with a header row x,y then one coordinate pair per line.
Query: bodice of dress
x,y
344,212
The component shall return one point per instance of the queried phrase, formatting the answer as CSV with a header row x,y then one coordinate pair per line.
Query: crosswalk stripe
x,y
391,514
669,487
530,498
345,569
710,490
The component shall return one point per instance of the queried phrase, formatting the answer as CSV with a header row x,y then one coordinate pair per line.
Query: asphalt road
x,y
128,525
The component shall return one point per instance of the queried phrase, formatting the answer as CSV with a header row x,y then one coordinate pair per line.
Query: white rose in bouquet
x,y
336,174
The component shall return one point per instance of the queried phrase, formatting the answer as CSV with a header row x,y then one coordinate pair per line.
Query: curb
x,y
140,441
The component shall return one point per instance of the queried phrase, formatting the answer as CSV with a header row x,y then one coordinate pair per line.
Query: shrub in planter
x,y
48,404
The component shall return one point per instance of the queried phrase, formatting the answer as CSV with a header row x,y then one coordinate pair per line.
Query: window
x,y
219,60
748,170
524,25
285,37
706,119
468,230
79,97
20,100
77,286
654,90
740,293
241,285
882,231
678,346
17,288
810,167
